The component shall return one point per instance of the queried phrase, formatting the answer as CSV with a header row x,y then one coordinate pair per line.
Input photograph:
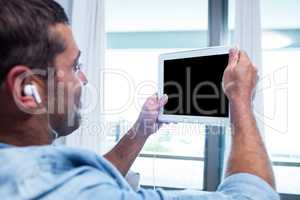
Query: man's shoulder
x,y
57,157
36,170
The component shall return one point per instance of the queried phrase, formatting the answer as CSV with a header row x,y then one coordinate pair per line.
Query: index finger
x,y
233,57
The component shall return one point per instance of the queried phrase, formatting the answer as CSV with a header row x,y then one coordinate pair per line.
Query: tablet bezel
x,y
219,121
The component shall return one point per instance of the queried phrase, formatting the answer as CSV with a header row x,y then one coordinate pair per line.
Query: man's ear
x,y
15,82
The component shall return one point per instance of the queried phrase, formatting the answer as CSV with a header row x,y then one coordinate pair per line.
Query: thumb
x,y
163,100
244,58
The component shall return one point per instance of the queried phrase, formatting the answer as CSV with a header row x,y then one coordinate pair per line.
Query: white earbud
x,y
31,90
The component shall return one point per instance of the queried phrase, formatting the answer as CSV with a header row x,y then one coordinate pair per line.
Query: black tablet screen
x,y
194,86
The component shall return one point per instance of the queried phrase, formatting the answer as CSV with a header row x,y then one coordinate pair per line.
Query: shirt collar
x,y
3,146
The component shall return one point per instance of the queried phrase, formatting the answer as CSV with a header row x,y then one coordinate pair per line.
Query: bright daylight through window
x,y
138,31
281,42
281,52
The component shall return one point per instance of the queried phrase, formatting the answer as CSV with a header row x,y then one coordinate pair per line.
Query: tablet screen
x,y
194,86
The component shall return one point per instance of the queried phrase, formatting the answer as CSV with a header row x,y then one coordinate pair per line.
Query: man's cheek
x,y
75,95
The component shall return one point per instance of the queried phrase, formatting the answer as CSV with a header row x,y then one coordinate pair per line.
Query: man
x,y
37,49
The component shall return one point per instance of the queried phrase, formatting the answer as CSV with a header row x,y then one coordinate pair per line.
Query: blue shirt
x,y
50,172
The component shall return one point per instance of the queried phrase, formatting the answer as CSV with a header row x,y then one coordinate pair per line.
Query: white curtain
x,y
248,36
88,29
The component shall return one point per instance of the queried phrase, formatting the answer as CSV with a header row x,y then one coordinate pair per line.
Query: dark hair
x,y
26,34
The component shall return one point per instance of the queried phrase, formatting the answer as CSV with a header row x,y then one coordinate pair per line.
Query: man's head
x,y
37,48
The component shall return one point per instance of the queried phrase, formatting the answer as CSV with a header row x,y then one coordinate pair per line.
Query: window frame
x,y
215,136
215,145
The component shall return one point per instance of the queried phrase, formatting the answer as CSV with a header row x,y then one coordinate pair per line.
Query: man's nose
x,y
83,77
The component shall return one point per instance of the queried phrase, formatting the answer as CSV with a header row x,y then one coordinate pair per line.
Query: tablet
x,y
193,82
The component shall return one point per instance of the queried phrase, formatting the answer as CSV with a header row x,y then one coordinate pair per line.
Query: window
x,y
137,32
281,52
281,43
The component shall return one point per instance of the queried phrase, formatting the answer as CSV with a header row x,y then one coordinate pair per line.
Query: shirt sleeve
x,y
112,193
245,186
90,183
235,187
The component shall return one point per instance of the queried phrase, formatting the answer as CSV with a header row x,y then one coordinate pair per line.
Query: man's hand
x,y
248,153
147,122
239,78
126,151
